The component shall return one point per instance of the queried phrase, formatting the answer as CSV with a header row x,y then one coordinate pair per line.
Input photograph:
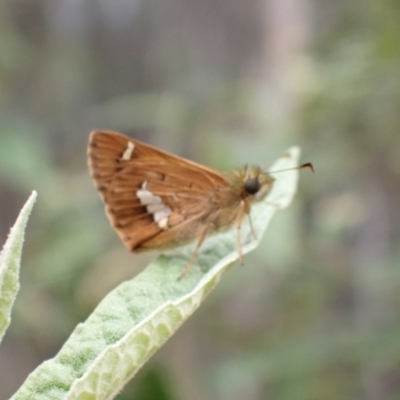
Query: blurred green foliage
x,y
223,83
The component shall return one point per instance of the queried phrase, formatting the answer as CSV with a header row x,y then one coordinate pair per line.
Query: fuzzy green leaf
x,y
10,260
136,318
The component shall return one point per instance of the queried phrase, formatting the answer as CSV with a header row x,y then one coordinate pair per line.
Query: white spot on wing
x,y
127,154
154,205
162,214
152,208
146,197
163,223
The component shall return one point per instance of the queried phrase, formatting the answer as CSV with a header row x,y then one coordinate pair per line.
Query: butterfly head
x,y
256,183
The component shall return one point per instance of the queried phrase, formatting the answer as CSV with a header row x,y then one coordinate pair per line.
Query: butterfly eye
x,y
252,185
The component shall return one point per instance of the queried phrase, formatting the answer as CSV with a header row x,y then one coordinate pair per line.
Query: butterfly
x,y
156,200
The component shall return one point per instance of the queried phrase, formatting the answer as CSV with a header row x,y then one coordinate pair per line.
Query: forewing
x,y
153,198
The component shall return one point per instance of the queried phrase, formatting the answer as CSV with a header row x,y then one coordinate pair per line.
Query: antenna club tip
x,y
308,165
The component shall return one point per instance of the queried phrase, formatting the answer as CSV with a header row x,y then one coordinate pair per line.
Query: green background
x,y
314,313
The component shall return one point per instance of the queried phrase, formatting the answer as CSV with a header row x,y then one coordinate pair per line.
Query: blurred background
x,y
314,313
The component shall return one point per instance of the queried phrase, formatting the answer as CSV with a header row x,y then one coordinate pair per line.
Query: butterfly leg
x,y
239,221
194,255
252,228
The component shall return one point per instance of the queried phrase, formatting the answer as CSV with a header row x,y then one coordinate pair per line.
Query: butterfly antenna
x,y
306,165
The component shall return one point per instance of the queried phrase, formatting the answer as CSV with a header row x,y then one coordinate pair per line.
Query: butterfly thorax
x,y
246,186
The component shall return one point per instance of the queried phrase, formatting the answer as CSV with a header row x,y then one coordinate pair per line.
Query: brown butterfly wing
x,y
121,167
